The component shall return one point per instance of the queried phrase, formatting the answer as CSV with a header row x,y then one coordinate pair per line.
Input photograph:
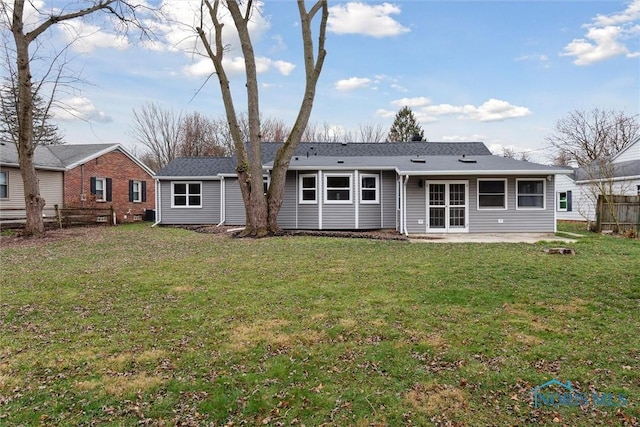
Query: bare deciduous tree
x,y
591,139
158,129
262,211
371,133
14,16
202,137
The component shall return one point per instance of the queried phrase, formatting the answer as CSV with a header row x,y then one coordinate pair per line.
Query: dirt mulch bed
x,y
374,234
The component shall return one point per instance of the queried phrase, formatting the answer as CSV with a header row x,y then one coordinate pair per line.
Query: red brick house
x,y
107,175
77,176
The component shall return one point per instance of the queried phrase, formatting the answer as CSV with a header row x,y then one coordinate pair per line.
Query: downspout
x,y
404,205
222,201
157,202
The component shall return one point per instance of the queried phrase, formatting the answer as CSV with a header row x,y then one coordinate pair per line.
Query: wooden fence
x,y
84,216
625,209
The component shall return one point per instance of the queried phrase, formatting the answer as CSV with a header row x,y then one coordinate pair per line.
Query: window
x,y
530,193
337,188
492,194
101,188
4,185
265,183
137,191
638,189
187,195
369,188
308,189
563,201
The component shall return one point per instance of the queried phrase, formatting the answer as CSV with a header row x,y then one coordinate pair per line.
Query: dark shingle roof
x,y
211,166
198,167
70,154
43,158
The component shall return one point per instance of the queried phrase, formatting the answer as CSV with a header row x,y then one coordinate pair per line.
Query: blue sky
x,y
502,72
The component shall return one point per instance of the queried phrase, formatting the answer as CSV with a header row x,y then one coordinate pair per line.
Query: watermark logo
x,y
565,395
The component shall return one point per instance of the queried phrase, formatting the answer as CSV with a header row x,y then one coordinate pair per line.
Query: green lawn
x,y
135,325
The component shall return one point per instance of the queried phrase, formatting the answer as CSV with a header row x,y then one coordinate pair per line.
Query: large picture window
x,y
337,188
308,188
187,195
492,194
530,193
369,184
4,185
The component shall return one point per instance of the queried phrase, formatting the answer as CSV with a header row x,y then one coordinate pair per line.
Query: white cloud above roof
x,y
79,108
490,111
365,19
352,83
85,37
235,66
606,37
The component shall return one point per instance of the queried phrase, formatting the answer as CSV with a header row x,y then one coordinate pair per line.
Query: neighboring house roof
x,y
43,159
64,157
619,170
432,158
631,152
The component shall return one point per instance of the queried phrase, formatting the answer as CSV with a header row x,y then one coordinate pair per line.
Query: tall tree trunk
x,y
34,203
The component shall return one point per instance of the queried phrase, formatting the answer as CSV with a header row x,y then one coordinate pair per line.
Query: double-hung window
x,y
337,188
308,188
492,194
530,193
101,189
4,185
186,195
369,184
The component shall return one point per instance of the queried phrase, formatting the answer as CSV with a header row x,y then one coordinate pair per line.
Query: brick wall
x,y
120,168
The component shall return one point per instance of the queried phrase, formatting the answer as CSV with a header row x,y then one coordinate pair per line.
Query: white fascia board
x,y
41,168
618,178
227,175
342,167
484,172
187,178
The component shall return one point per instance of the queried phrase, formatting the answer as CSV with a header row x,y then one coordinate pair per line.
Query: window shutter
x,y
144,190
131,190
569,201
108,198
93,184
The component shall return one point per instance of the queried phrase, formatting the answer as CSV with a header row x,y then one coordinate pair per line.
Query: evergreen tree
x,y
405,127
44,132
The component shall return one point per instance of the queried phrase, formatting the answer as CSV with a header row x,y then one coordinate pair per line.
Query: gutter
x,y
404,205
157,203
223,211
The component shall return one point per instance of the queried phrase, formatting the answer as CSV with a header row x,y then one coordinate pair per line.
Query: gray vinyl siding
x,y
481,220
370,214
209,213
513,220
338,216
416,206
388,199
51,188
234,205
287,214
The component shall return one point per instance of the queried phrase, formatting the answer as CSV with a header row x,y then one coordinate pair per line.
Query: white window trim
x,y
492,208
139,199
326,189
104,189
187,206
301,189
544,195
377,188
558,208
6,183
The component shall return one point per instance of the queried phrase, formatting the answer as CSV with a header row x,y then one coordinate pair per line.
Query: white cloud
x,y
491,110
352,83
385,114
464,138
235,66
412,102
365,19
79,108
495,110
606,37
86,38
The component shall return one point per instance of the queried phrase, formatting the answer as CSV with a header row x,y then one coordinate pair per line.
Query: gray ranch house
x,y
412,187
